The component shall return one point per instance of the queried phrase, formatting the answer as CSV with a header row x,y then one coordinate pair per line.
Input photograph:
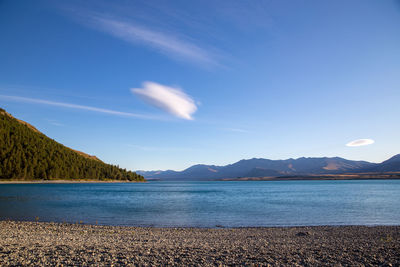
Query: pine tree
x,y
29,154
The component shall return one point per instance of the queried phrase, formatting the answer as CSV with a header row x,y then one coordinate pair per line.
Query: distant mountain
x,y
27,154
390,165
196,172
258,167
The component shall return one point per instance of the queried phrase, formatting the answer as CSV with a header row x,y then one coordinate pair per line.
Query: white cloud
x,y
167,43
170,99
360,142
74,106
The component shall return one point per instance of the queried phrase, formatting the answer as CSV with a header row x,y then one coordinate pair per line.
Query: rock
x,y
303,233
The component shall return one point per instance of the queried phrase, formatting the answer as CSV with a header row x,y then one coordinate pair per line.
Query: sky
x,y
156,85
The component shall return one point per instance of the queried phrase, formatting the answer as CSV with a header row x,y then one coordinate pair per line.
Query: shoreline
x,y
264,179
39,243
215,227
323,177
68,181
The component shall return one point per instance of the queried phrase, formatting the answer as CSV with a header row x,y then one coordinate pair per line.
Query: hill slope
x,y
390,165
26,154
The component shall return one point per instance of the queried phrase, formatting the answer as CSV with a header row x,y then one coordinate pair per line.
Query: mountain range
x,y
26,153
259,167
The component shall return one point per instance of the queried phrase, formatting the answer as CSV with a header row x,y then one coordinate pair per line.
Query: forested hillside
x,y
27,154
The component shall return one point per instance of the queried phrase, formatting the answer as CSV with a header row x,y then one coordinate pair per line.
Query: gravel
x,y
56,244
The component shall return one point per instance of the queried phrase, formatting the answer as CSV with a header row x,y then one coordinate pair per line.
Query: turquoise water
x,y
207,204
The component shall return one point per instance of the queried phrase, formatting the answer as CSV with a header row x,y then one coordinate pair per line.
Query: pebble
x,y
42,244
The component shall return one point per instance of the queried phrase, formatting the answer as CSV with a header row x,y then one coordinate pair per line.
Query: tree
x,y
26,153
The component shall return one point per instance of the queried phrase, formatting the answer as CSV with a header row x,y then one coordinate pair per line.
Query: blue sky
x,y
167,84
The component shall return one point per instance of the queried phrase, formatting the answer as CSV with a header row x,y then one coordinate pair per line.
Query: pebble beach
x,y
58,244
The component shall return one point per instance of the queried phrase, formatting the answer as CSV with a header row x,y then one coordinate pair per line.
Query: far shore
x,y
288,178
359,176
66,181
321,177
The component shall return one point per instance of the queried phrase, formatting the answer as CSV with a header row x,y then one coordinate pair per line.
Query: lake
x,y
207,204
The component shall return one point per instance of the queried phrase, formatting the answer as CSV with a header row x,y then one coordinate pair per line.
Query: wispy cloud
x,y
74,106
153,148
170,44
55,123
236,130
170,99
360,142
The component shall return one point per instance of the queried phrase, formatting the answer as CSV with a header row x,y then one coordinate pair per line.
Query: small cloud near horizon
x,y
170,99
360,142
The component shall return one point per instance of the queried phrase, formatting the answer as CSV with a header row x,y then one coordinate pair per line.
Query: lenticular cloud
x,y
360,142
170,99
